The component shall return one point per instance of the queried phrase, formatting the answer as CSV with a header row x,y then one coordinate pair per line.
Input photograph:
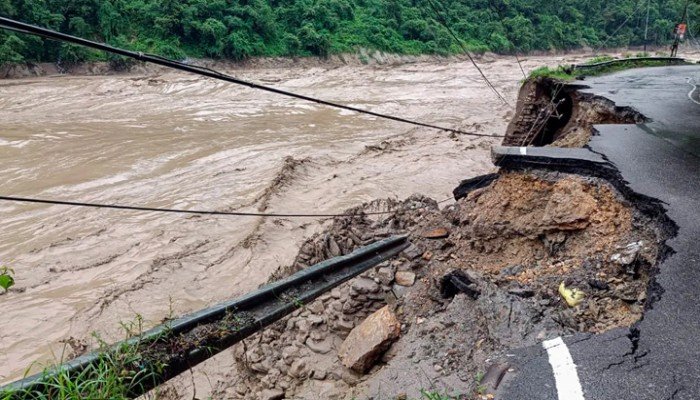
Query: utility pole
x,y
646,26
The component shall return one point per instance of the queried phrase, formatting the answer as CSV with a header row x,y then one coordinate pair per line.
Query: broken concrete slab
x,y
366,342
562,158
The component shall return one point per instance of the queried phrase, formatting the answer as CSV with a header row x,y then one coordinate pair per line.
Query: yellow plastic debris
x,y
572,296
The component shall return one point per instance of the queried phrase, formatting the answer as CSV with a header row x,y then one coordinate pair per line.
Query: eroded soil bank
x,y
157,138
519,246
515,241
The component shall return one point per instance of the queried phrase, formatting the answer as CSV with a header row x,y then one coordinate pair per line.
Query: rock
x,y
319,346
569,207
412,252
303,325
437,233
315,320
627,257
263,366
298,369
366,343
405,278
598,284
364,286
271,394
427,256
289,353
385,275
318,374
399,291
334,248
344,325
316,307
512,270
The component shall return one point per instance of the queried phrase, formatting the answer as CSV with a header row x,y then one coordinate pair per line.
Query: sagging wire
x,y
441,19
196,212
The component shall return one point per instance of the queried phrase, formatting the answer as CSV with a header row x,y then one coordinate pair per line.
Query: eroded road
x,y
658,160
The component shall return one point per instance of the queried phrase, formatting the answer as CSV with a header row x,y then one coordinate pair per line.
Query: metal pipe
x,y
257,310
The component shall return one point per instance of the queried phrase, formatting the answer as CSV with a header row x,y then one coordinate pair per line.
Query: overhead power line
x,y
443,21
178,211
629,16
197,212
24,28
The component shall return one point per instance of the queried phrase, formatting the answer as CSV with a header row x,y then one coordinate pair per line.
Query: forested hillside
x,y
238,29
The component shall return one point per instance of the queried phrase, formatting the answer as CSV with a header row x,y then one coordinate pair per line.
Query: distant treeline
x,y
239,29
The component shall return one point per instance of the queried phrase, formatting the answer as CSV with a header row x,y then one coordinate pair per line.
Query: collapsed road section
x,y
575,263
562,247
656,161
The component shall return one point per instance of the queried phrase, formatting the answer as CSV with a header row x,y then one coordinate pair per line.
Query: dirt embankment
x,y
534,255
516,241
554,113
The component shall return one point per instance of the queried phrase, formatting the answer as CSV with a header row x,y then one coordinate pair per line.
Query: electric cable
x,y
441,19
197,212
605,42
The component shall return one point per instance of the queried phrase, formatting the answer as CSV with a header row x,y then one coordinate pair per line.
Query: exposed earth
x,y
516,243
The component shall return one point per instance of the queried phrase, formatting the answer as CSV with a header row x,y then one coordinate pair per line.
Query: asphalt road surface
x,y
660,357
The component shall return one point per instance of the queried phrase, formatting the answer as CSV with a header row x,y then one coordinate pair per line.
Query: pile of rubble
x,y
492,272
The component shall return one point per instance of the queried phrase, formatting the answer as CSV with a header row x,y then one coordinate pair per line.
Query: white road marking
x,y
695,87
565,375
523,151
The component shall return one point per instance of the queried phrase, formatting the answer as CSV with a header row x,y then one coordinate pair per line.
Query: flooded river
x,y
163,139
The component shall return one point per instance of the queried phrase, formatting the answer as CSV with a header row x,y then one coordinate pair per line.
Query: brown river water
x,y
164,139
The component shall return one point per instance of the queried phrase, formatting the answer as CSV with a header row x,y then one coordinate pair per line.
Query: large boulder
x,y
369,340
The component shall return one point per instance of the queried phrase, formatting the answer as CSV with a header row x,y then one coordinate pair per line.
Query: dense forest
x,y
238,29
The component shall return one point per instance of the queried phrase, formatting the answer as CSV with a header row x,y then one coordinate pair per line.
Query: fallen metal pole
x,y
232,321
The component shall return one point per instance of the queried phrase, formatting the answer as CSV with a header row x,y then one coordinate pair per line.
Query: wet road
x,y
660,159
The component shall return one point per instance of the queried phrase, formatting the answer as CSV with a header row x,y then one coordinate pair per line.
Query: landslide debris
x,y
555,113
482,276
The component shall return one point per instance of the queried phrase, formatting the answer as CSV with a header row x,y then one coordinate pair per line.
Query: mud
x,y
157,138
518,240
163,139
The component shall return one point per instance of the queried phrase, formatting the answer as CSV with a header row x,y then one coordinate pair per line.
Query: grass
x,y
555,73
567,73
111,377
424,395
115,375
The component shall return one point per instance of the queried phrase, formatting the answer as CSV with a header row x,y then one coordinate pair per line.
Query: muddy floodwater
x,y
163,139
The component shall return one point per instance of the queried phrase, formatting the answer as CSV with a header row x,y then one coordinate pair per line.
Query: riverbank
x,y
362,57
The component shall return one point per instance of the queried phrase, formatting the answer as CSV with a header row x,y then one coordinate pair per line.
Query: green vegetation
x,y
424,395
116,374
427,395
239,29
7,279
567,73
